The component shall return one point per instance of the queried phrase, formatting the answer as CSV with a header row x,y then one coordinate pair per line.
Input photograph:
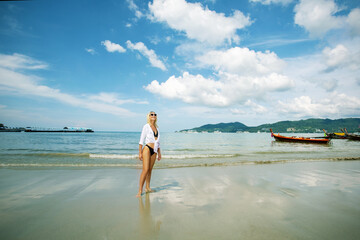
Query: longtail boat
x,y
281,138
335,135
352,136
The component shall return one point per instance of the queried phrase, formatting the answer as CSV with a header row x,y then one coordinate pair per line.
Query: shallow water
x,y
306,200
120,149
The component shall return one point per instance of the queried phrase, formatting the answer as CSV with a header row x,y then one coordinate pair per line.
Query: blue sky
x,y
105,64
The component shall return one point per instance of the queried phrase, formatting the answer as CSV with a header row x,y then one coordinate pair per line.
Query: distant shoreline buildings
x,y
38,129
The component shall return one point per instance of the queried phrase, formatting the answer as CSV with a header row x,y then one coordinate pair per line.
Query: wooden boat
x,y
352,136
335,135
281,138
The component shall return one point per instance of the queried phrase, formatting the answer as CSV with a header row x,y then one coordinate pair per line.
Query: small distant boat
x,y
281,138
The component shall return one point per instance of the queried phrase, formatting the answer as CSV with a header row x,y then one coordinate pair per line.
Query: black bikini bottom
x,y
151,150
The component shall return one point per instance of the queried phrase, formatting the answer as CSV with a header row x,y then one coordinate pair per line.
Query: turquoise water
x,y
120,149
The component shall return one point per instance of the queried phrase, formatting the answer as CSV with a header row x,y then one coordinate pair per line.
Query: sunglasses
x,y
153,114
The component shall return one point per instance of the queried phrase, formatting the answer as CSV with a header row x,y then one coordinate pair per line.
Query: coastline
x,y
315,200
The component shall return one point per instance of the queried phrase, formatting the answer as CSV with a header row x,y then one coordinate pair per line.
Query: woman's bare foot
x,y
149,190
139,194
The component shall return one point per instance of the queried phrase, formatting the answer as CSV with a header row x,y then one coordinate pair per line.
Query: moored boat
x,y
335,135
352,136
281,138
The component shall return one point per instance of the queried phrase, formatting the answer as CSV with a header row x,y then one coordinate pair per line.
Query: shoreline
x,y
307,200
80,166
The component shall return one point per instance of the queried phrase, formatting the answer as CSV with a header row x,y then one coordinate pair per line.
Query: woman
x,y
150,134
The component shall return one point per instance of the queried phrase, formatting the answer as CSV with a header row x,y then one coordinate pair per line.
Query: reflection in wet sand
x,y
149,229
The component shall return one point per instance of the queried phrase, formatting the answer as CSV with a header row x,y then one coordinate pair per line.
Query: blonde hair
x,y
148,119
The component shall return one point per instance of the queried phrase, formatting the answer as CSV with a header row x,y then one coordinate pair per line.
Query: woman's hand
x,y
159,156
140,156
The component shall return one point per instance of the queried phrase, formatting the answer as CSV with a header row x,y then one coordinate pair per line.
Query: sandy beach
x,y
314,200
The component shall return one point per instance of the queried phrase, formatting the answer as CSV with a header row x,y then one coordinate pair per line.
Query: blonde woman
x,y
151,136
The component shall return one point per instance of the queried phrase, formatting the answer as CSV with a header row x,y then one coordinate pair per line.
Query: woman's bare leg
x,y
145,170
148,176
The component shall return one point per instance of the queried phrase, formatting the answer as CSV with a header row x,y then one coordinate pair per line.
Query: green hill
x,y
222,127
304,126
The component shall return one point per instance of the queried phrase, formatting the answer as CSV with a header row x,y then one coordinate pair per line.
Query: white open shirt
x,y
147,135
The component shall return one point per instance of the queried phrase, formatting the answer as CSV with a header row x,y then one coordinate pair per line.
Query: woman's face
x,y
153,115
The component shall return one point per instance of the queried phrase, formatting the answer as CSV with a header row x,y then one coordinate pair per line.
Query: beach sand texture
x,y
316,200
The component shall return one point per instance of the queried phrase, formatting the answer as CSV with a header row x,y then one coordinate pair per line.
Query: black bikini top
x,y
157,134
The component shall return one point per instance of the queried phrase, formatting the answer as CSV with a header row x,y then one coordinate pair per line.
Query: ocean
x,y
120,149
207,186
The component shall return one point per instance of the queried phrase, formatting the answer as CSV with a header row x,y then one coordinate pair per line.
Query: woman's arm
x,y
141,142
140,152
159,154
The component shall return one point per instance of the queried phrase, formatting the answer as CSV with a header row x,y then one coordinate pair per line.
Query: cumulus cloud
x,y
148,53
15,82
334,106
198,22
341,57
354,21
318,17
229,89
336,56
191,89
113,47
241,75
242,61
268,2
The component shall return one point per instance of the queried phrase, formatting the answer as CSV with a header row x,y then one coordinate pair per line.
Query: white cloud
x,y
189,49
337,56
336,67
113,47
250,106
268,2
255,107
274,41
197,22
318,17
113,98
354,21
133,7
191,89
90,50
241,75
243,61
18,61
336,105
148,53
341,57
228,90
329,84
19,83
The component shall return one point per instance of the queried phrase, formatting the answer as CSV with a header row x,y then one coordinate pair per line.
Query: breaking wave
x,y
122,156
174,165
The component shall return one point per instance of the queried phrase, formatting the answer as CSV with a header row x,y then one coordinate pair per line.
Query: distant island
x,y
312,125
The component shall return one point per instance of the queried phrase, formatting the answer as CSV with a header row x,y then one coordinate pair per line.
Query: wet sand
x,y
315,200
